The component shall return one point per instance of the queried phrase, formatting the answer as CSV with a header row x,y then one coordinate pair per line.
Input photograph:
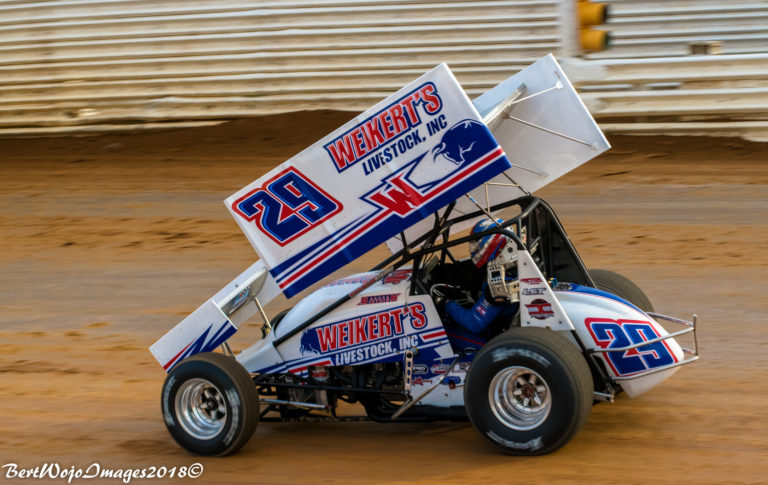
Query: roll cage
x,y
536,229
543,236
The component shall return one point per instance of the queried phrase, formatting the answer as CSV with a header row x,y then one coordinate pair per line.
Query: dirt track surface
x,y
107,242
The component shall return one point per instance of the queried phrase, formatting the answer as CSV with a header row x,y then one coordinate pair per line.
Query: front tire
x,y
210,404
528,391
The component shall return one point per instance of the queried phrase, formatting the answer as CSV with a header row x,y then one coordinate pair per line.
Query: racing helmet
x,y
486,248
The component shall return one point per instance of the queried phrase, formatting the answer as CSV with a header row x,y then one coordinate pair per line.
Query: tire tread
x,y
571,358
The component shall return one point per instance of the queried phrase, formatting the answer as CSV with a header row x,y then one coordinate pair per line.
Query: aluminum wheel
x,y
519,398
200,408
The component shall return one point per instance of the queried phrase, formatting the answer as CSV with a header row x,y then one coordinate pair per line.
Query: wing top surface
x,y
382,172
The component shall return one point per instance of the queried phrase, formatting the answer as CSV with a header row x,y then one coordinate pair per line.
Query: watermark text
x,y
54,471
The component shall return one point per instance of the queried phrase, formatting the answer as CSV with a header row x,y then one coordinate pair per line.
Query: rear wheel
x,y
622,286
528,391
210,404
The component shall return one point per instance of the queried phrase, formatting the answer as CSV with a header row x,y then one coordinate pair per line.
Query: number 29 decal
x,y
608,334
287,206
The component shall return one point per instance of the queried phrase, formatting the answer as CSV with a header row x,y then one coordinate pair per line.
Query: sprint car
x,y
573,336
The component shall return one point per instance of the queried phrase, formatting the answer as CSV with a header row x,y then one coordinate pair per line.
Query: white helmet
x,y
486,249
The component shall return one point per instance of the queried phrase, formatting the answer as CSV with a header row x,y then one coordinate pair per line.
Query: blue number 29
x,y
287,206
616,334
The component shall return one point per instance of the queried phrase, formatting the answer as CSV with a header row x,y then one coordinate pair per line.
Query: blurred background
x,y
124,124
643,66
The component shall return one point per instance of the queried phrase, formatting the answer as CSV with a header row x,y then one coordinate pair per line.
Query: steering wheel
x,y
442,292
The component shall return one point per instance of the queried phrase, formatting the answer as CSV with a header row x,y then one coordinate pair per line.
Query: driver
x,y
482,251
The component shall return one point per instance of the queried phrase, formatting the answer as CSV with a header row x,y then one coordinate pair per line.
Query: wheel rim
x,y
200,408
520,398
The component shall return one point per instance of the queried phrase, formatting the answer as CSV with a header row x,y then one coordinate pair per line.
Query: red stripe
x,y
466,339
489,158
166,366
439,333
302,369
498,241
333,248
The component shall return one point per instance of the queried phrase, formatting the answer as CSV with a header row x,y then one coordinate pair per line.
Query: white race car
x,y
527,382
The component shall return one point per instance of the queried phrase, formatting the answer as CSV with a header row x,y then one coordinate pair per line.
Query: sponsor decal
x,y
319,373
435,148
394,278
366,337
383,127
412,187
608,333
540,309
374,299
240,299
441,368
534,291
531,281
482,310
420,369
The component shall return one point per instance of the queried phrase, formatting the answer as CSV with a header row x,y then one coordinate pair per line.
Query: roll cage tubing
x,y
529,205
441,228
603,380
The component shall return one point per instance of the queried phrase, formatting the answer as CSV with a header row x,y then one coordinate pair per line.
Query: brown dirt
x,y
108,241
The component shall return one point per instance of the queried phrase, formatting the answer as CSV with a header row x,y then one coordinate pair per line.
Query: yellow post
x,y
591,14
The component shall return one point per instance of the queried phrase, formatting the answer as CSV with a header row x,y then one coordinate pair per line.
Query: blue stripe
x,y
594,291
315,248
391,226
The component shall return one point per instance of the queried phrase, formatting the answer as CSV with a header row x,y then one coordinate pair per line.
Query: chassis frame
x,y
544,237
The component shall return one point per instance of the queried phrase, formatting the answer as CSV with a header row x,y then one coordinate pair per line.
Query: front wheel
x,y
528,391
210,404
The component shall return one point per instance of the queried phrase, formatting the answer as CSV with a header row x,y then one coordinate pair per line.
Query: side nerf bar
x,y
694,353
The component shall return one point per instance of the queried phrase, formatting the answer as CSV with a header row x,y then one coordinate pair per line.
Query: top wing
x,y
393,165
546,132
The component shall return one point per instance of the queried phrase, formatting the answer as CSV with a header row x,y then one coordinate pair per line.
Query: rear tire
x,y
622,286
528,391
210,404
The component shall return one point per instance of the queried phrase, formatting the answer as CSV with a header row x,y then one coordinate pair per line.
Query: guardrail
x,y
686,70
651,28
723,95
84,64
110,62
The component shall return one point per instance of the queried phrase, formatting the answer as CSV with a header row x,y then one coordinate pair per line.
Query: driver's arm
x,y
474,319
